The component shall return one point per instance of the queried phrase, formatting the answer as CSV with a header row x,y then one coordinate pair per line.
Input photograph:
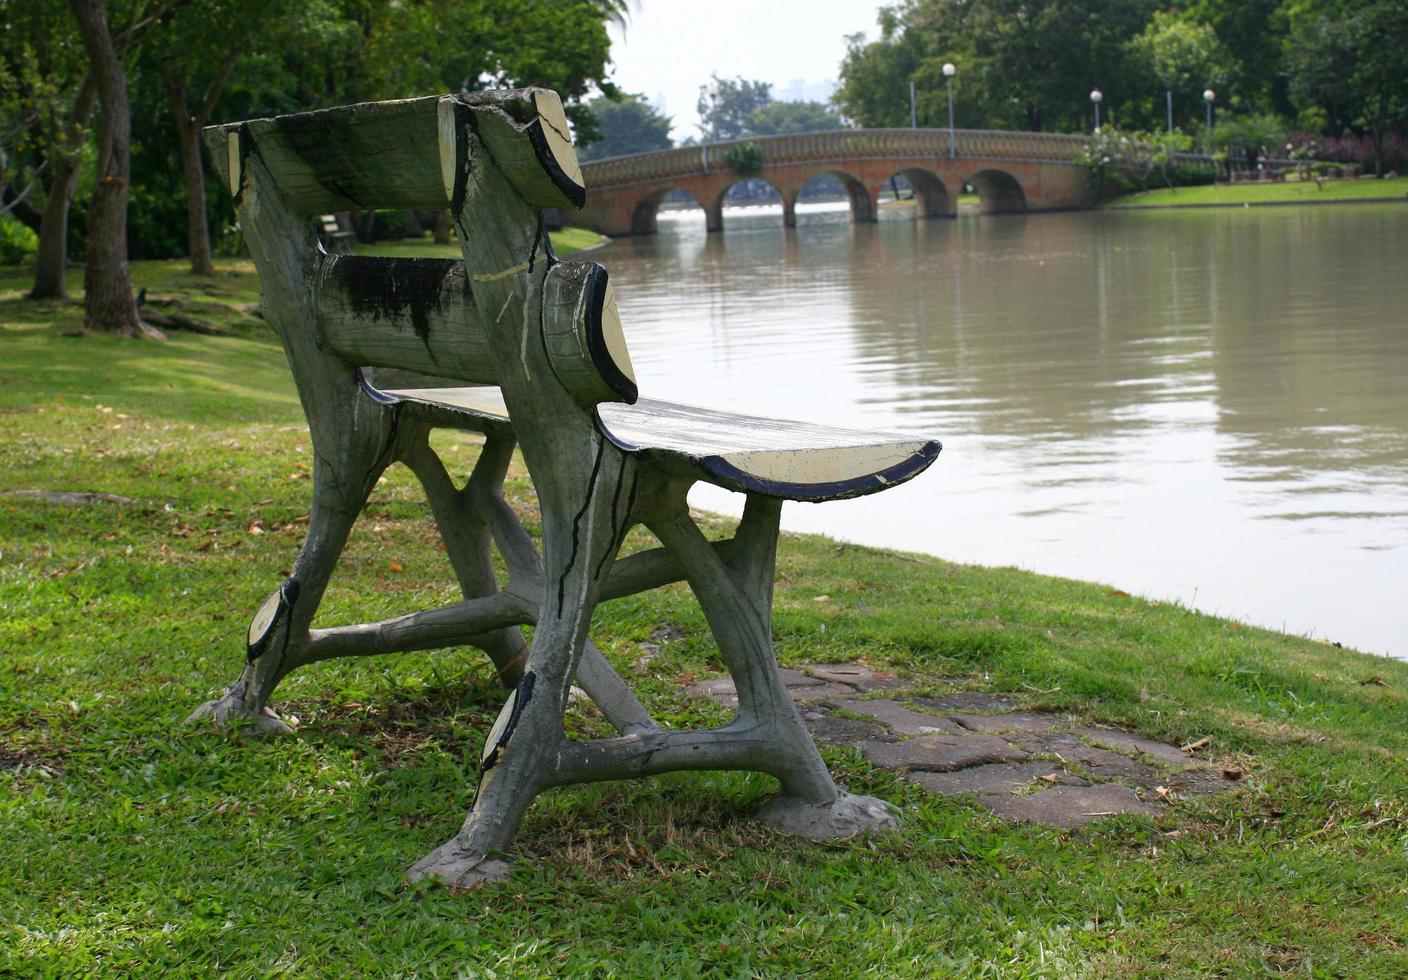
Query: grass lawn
x,y
133,842
1292,191
565,242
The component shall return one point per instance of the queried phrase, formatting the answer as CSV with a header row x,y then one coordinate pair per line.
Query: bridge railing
x,y
839,144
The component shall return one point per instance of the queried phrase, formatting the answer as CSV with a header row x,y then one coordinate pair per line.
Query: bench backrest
x,y
420,315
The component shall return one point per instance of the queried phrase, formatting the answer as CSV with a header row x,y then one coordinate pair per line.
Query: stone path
x,y
1023,765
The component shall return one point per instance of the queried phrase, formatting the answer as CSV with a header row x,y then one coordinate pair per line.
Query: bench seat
x,y
772,457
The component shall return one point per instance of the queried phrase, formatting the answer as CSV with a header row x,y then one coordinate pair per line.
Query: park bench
x,y
538,359
336,240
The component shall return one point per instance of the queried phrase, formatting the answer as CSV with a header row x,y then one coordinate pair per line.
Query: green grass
x,y
1301,191
134,843
565,242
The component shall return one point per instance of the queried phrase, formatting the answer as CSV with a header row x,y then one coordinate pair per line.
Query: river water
x,y
1203,406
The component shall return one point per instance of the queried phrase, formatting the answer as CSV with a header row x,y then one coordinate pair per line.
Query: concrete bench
x,y
539,359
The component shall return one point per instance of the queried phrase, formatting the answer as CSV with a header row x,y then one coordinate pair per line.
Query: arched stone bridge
x,y
1010,171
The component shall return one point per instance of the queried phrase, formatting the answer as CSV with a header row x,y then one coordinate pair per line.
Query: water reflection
x,y
1207,406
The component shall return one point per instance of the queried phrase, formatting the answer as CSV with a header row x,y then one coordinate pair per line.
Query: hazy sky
x,y
669,47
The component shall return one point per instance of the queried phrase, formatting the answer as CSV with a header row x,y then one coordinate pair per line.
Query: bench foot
x,y
229,711
849,815
452,865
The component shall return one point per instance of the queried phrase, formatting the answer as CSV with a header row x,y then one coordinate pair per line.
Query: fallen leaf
x,y
1201,743
1232,774
396,566
821,598
1375,681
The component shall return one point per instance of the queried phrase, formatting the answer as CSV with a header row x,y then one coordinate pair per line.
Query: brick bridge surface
x,y
1011,171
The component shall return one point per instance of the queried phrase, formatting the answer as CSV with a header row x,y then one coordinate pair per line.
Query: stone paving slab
x,y
897,718
980,744
940,753
863,679
995,778
965,701
1008,721
829,729
1169,755
1070,807
1097,761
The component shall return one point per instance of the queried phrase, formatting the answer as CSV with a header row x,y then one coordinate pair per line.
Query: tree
x,y
108,304
1182,54
1254,32
1248,135
627,125
1022,64
194,54
726,106
792,117
49,100
1352,62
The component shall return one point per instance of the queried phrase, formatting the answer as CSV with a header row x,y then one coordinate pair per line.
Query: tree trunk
x,y
197,225
51,267
108,304
442,228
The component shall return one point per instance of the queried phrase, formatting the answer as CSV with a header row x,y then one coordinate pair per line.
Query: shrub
x,y
17,241
745,159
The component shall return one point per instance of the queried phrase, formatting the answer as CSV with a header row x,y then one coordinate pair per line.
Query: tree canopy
x,y
1336,67
626,125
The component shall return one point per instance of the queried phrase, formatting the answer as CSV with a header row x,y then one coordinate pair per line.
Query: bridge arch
x,y
860,197
931,193
998,192
645,214
715,209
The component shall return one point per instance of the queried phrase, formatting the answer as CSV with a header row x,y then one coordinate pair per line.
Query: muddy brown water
x,y
1207,406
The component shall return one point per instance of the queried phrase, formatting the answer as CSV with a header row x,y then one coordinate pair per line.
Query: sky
x,y
669,48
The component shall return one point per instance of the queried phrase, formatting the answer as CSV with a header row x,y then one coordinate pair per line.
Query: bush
x,y
17,241
745,159
1120,162
1357,149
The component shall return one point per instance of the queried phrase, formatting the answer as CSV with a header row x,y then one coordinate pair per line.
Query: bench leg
x,y
469,519
526,751
342,482
584,521
736,597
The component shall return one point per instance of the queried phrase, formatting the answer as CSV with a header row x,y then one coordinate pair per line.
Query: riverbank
x,y
135,841
1364,191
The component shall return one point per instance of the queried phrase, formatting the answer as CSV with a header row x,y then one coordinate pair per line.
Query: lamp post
x,y
1168,102
913,109
1209,97
949,72
1096,97
712,91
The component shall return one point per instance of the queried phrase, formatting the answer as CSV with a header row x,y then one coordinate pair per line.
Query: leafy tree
x,y
1254,32
108,303
1351,61
194,54
792,117
1248,135
724,114
627,125
49,98
1181,53
1022,64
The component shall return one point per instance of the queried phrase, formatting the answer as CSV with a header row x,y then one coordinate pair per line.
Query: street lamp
x,y
1096,96
949,72
711,90
1168,101
1209,97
